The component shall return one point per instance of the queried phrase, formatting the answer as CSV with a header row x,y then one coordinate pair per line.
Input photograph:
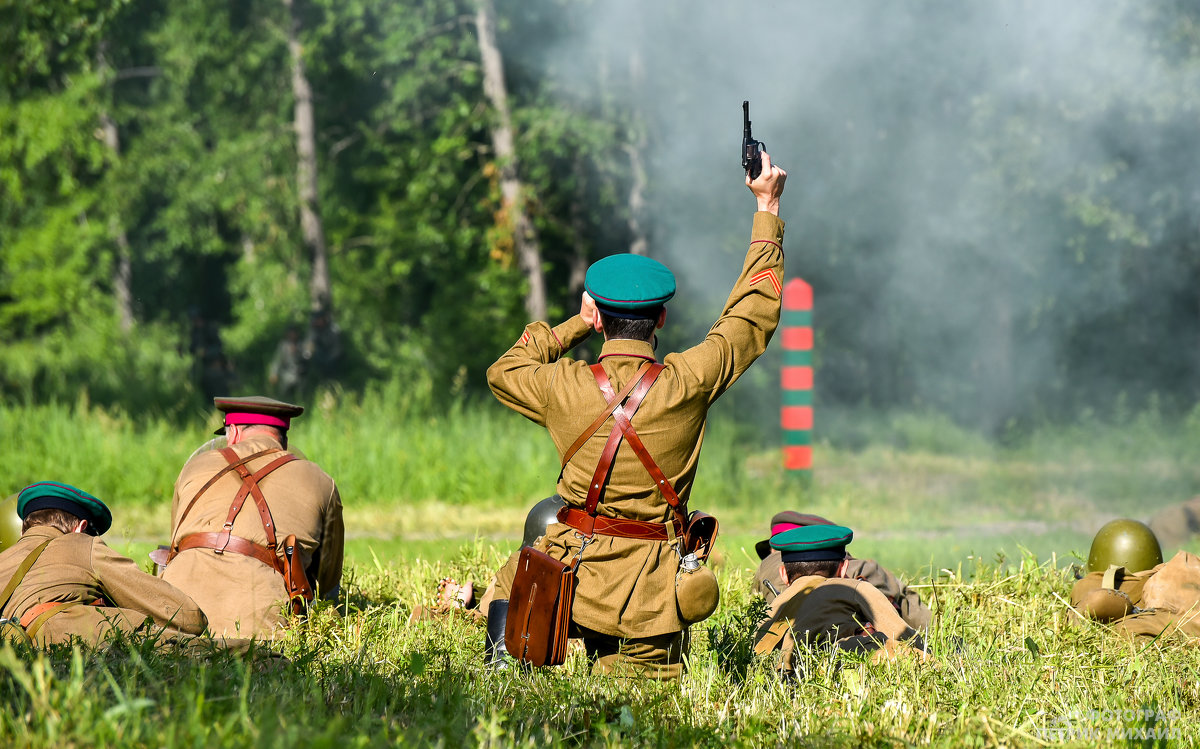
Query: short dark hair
x,y
55,518
824,568
637,328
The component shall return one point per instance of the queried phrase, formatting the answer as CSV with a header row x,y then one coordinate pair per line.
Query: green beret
x,y
812,543
51,495
629,284
256,409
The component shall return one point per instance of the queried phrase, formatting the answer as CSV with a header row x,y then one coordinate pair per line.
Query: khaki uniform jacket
x,y
242,596
1157,602
626,587
79,567
904,599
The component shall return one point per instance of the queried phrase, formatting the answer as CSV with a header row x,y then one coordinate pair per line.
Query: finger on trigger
x,y
766,161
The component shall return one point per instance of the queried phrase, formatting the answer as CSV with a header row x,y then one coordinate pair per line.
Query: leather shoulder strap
x,y
602,417
620,413
22,571
234,461
250,487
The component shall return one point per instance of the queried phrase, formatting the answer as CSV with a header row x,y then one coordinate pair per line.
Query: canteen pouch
x,y
696,591
295,580
699,535
539,609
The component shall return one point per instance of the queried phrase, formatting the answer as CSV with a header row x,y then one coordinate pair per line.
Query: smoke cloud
x,y
974,188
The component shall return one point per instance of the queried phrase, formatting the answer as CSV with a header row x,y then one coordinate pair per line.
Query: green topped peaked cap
x,y
813,543
629,285
256,409
1125,543
52,495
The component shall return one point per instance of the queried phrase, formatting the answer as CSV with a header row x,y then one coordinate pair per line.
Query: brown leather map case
x,y
539,613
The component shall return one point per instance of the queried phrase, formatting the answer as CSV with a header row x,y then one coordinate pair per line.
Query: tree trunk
x,y
313,234
525,240
634,148
122,278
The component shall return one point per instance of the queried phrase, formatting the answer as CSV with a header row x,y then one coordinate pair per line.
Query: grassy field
x,y
986,532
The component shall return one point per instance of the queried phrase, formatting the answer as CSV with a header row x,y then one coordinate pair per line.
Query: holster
x,y
539,609
295,579
699,534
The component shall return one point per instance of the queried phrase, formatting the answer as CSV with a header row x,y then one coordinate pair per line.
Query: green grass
x,y
1011,669
985,532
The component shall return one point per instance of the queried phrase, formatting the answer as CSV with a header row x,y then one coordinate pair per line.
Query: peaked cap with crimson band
x,y
256,409
52,495
787,520
631,286
813,543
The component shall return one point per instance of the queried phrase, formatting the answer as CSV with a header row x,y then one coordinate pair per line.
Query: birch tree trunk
x,y
312,233
525,239
634,148
122,277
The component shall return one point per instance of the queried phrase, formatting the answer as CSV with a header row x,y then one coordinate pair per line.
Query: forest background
x,y
996,205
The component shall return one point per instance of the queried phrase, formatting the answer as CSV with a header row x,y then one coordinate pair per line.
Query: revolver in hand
x,y
751,149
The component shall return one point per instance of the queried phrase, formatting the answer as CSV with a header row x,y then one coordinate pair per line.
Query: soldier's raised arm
x,y
751,313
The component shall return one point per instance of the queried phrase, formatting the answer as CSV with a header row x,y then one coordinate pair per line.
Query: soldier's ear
x,y
783,575
80,527
662,319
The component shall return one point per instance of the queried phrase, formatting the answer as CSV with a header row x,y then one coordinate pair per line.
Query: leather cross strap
x,y
250,488
619,413
224,540
624,427
234,462
602,417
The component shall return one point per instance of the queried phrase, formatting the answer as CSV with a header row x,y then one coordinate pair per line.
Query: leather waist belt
x,y
618,527
221,543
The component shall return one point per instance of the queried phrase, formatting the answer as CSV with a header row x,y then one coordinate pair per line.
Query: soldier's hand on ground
x,y
769,185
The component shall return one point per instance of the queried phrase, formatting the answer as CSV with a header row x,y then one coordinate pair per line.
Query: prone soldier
x,y
818,608
63,583
242,566
769,581
1128,585
621,525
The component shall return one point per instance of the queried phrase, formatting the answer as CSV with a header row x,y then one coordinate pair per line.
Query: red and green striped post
x,y
797,415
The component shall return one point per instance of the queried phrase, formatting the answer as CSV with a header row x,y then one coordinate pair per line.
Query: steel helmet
x,y
1125,543
542,515
10,523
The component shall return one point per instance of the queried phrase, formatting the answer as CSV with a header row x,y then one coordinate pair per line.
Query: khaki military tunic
x,y
242,596
1158,602
627,587
904,599
82,568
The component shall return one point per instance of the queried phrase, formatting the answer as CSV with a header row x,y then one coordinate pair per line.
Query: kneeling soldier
x,y
242,567
818,608
63,582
